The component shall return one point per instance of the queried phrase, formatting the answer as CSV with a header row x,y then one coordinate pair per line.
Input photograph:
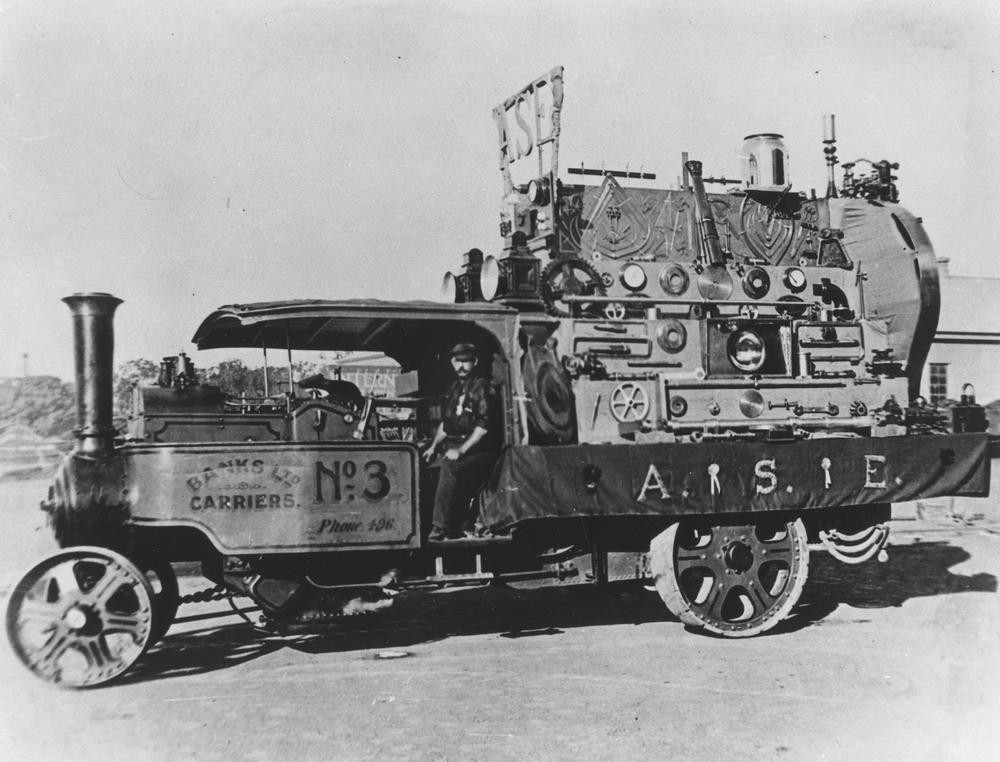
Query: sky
x,y
186,155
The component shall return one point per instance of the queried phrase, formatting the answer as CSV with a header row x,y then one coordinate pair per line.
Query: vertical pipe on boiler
x,y
93,351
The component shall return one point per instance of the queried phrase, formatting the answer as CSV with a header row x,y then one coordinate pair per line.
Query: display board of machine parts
x,y
751,311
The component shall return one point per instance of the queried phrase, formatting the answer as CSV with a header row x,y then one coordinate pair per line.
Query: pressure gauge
x,y
795,279
538,192
633,277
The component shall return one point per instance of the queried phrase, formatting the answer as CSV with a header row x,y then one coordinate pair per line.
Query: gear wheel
x,y
573,277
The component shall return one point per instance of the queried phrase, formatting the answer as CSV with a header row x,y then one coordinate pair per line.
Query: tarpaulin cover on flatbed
x,y
725,477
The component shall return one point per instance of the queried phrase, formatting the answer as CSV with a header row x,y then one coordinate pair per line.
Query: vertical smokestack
x,y
93,351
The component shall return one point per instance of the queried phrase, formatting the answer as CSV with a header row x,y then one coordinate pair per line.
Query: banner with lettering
x,y
726,477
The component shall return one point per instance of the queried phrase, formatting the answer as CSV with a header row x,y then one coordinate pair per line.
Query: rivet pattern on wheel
x,y
734,580
80,617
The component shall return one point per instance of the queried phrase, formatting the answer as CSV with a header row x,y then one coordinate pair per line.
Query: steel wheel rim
x,y
737,580
80,617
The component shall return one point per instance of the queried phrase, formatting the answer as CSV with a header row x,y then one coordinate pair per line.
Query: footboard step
x,y
470,542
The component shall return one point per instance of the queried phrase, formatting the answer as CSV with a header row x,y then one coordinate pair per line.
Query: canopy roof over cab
x,y
401,330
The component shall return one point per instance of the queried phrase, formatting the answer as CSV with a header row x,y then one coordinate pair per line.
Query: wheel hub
x,y
738,556
76,618
83,620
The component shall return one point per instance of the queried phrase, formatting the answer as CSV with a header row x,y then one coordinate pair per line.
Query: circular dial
x,y
795,279
633,277
538,192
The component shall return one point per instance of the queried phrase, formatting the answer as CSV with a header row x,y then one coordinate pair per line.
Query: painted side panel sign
x,y
280,498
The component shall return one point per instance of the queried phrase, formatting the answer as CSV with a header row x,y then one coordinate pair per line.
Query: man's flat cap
x,y
463,351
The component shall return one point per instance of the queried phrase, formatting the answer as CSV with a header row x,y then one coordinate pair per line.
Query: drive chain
x,y
217,593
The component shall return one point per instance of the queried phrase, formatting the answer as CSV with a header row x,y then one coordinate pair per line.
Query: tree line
x,y
47,405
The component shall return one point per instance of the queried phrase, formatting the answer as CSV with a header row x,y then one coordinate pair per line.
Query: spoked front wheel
x,y
734,580
81,617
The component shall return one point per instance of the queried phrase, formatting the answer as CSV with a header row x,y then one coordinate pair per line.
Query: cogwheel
x,y
569,277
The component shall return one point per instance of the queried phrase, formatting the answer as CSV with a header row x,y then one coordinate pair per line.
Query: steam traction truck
x,y
695,388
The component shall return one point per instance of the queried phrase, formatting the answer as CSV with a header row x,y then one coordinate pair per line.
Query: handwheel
x,y
736,580
81,617
629,402
614,311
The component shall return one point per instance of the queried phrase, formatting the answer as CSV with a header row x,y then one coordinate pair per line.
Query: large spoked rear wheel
x,y
735,580
81,617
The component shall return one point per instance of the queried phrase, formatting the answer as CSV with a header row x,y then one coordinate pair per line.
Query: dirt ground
x,y
899,660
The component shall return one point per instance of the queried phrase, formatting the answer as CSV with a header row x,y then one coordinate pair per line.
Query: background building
x,y
966,347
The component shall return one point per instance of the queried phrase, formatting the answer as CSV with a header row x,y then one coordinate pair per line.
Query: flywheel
x,y
551,406
569,277
733,580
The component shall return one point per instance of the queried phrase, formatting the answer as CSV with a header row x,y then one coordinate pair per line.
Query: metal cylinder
x,y
706,220
93,351
765,162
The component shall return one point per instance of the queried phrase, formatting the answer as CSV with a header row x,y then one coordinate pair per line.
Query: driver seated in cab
x,y
469,432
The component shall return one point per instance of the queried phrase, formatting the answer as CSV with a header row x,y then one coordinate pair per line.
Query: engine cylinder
x,y
93,352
